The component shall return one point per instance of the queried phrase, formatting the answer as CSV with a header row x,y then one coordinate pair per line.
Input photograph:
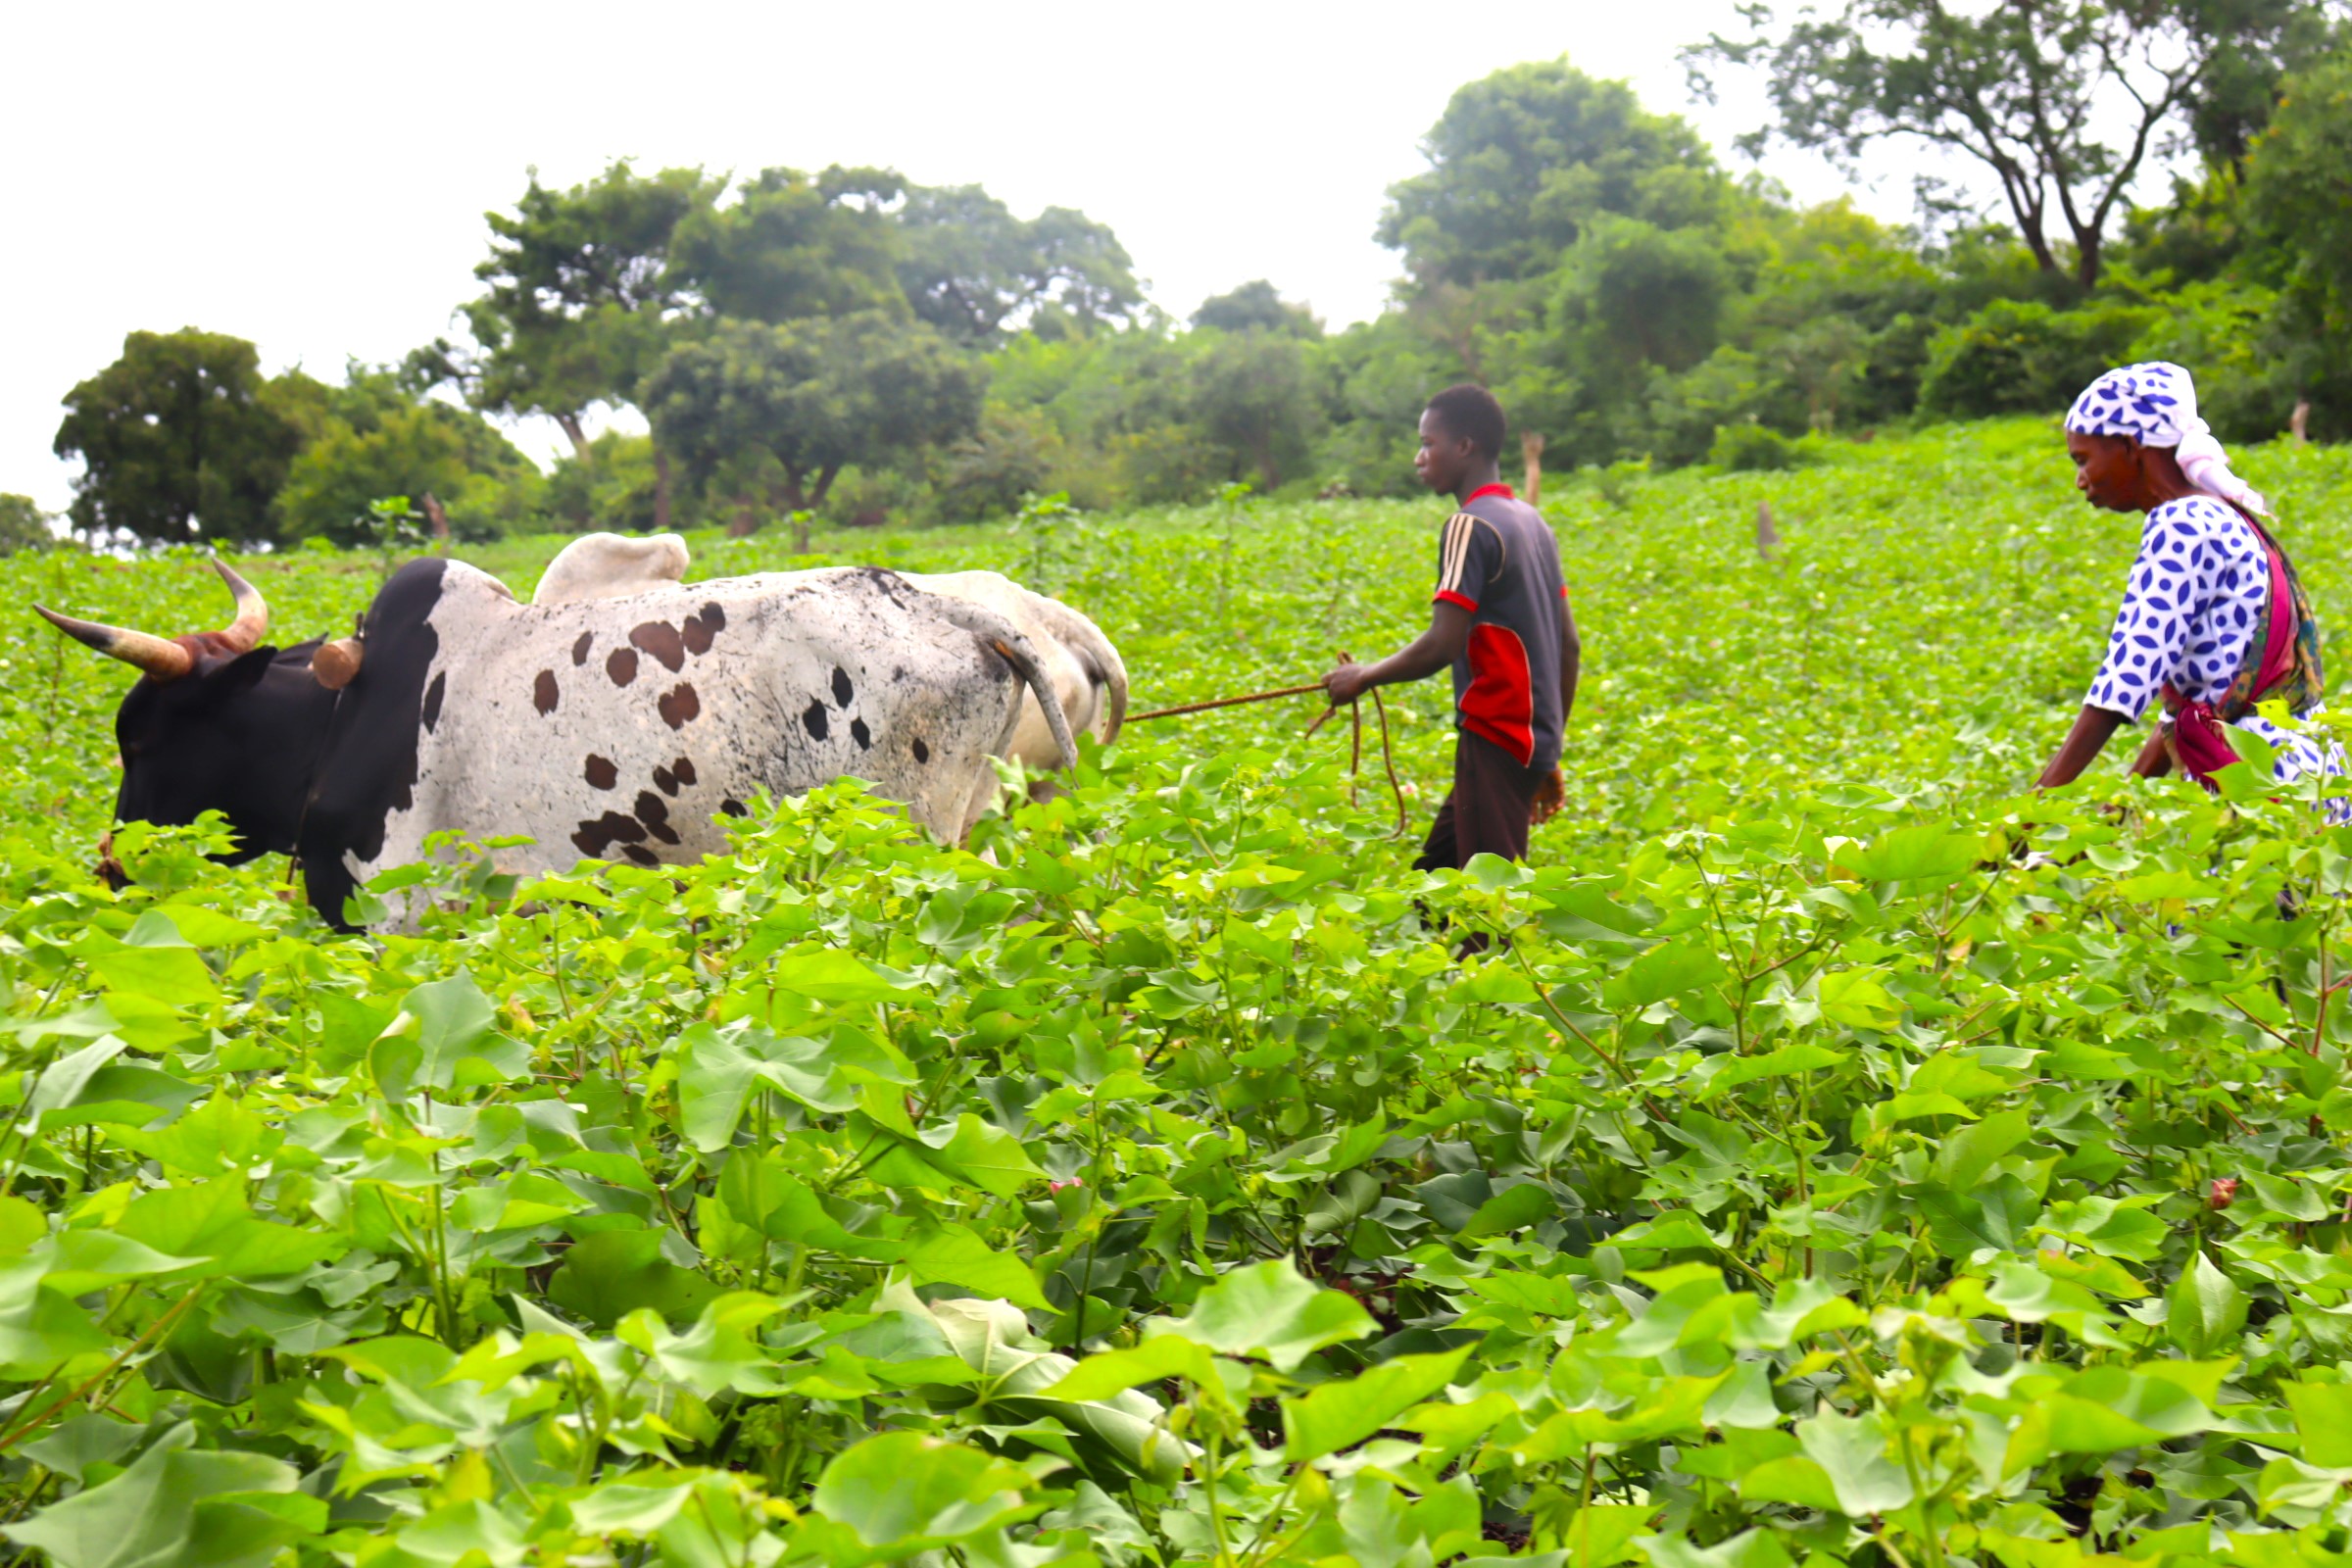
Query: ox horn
x,y
243,634
162,658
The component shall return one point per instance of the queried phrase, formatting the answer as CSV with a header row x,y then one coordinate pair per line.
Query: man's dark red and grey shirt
x,y
1498,560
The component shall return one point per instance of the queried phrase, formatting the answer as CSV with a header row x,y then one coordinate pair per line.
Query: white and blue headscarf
x,y
2155,404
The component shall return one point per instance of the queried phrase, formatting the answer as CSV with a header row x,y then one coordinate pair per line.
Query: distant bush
x,y
24,525
988,472
2228,337
2022,357
868,498
612,491
483,485
1748,447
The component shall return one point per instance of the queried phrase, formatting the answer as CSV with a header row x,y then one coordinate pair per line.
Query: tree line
x,y
854,346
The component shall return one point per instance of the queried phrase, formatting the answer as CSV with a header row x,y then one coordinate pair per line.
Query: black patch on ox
x,y
661,640
544,695
369,762
695,633
579,650
680,705
655,816
861,735
714,617
684,769
733,807
888,582
601,771
593,839
843,691
621,665
641,854
814,719
922,752
667,780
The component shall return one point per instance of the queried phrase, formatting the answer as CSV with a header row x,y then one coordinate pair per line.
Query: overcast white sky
x,y
314,177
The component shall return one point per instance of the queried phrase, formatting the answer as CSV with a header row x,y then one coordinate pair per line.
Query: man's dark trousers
x,y
1486,809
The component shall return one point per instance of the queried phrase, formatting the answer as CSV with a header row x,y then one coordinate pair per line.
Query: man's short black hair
x,y
1470,411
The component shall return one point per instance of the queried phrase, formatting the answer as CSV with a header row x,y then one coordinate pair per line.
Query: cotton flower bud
x,y
2223,1192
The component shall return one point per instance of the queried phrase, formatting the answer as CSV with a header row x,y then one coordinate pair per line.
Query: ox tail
x,y
1000,635
1077,632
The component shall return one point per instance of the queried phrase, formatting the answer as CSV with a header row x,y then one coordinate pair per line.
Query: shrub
x,y
615,489
1751,447
24,525
988,472
2022,357
2228,337
482,482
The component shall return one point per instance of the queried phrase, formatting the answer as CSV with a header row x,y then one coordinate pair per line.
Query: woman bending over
x,y
2213,619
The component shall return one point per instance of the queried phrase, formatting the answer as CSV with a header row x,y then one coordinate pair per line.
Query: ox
x,y
1088,674
614,728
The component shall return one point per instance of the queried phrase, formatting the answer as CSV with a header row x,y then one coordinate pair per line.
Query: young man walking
x,y
1501,618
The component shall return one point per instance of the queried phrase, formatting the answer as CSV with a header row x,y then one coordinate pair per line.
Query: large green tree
x,y
789,246
581,303
2061,101
582,299
974,271
2299,202
1521,161
1252,395
179,439
1256,304
774,413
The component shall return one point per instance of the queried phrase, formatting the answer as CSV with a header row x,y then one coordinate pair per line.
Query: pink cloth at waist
x,y
2201,737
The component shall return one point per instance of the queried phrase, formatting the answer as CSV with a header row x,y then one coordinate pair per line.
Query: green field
x,y
1846,1158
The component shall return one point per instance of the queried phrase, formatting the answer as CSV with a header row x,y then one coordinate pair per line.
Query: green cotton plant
x,y
390,529
1834,1154
1051,534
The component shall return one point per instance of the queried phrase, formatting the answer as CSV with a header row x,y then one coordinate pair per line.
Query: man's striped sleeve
x,y
1465,560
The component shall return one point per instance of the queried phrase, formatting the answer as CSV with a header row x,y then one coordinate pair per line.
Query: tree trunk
x,y
580,437
1531,451
746,521
2087,259
660,489
1767,535
2298,423
824,486
436,517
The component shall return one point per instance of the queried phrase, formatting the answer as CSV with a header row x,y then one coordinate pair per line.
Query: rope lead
x,y
1355,748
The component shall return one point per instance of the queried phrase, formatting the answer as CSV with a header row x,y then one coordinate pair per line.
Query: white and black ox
x,y
618,725
1086,670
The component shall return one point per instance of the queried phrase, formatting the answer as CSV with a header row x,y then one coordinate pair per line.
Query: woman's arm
x,y
2093,728
2155,759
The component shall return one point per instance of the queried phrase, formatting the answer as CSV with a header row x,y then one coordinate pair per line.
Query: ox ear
x,y
232,677
335,665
